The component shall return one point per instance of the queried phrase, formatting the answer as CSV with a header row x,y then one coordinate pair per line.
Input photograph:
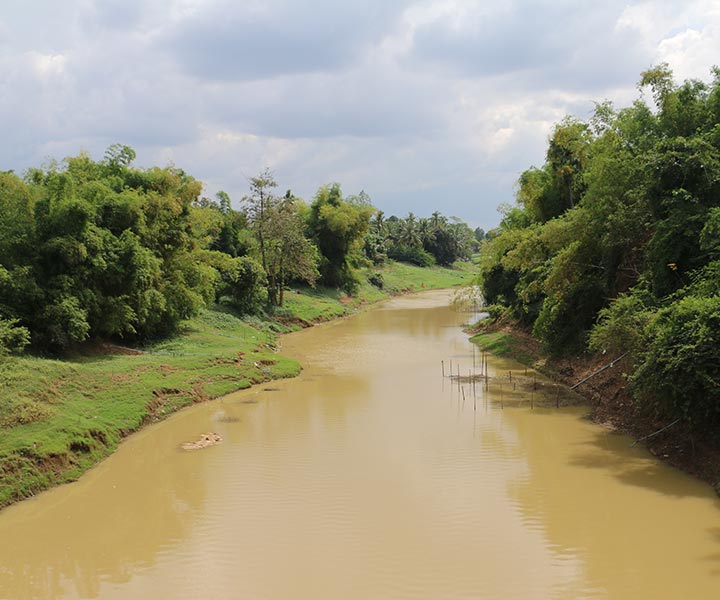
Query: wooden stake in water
x,y
442,362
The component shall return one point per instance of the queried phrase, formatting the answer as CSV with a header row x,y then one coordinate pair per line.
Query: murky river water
x,y
370,477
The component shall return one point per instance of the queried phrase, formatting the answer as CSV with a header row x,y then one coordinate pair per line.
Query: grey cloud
x,y
538,44
353,104
115,14
44,26
226,41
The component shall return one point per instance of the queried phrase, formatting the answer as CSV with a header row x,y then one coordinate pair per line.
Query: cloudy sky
x,y
425,105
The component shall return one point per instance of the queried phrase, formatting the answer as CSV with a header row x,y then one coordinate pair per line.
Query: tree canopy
x,y
613,241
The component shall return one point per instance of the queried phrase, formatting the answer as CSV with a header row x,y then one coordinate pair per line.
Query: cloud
x,y
425,104
539,45
685,35
231,41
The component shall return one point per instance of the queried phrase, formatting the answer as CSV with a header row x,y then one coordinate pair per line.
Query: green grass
x,y
60,417
401,277
306,305
503,344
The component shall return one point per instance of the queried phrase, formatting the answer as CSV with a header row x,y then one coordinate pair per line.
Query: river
x,y
368,477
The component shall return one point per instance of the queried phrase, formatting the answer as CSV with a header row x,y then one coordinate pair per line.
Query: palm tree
x,y
409,234
426,232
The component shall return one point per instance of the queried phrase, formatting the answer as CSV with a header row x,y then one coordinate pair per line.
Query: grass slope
x,y
60,417
501,343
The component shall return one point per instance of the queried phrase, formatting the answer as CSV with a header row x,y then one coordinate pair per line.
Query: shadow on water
x,y
633,466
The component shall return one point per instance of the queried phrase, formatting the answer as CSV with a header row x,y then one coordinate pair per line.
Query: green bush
x,y
376,279
415,256
12,338
621,325
679,372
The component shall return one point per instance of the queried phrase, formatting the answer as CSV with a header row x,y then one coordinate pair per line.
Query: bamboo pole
x,y
607,366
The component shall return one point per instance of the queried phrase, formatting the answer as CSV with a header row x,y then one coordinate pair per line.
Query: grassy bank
x,y
60,417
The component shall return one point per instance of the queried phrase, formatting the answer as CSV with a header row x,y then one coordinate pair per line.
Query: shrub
x,y
376,279
12,338
415,256
679,372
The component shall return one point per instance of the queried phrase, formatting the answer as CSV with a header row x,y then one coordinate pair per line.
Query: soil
x,y
613,406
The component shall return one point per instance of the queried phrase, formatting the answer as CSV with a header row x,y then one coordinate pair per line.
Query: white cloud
x,y
683,34
48,65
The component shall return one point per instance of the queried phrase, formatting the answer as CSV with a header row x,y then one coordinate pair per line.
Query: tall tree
x,y
259,202
338,228
289,254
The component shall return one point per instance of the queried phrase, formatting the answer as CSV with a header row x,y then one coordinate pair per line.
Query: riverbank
x,y
610,401
58,418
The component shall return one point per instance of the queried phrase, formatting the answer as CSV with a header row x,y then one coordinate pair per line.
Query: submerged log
x,y
206,439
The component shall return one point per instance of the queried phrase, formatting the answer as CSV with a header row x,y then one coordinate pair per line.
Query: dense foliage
x,y
423,242
615,241
338,226
99,249
103,250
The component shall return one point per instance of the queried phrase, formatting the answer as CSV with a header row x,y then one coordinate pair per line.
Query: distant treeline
x,y
614,244
101,249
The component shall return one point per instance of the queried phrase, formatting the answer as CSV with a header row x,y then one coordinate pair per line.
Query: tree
x,y
567,156
409,233
260,200
119,156
289,254
338,229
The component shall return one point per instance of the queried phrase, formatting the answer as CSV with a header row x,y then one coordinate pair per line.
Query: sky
x,y
424,105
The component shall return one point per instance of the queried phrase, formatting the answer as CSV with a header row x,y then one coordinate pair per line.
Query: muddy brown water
x,y
368,477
